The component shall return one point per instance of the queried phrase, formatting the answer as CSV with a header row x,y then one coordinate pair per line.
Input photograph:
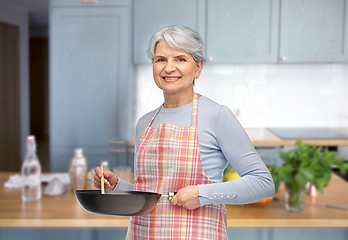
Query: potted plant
x,y
304,164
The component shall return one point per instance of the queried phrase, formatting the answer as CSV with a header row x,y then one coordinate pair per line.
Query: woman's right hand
x,y
110,179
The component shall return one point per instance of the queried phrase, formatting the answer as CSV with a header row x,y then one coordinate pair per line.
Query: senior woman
x,y
184,147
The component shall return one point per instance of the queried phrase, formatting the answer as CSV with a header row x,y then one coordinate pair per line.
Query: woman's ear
x,y
199,67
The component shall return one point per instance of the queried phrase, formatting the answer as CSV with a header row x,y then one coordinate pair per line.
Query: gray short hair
x,y
179,38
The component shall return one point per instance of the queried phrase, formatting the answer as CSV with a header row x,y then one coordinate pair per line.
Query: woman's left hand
x,y
187,197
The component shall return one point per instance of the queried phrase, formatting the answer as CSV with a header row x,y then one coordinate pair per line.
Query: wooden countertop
x,y
264,137
65,211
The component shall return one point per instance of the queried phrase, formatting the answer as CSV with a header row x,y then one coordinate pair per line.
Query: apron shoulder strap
x,y
194,120
154,116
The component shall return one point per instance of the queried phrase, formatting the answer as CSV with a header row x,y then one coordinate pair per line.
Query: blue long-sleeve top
x,y
222,140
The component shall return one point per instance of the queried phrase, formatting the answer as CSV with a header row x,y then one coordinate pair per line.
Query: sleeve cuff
x,y
217,193
123,185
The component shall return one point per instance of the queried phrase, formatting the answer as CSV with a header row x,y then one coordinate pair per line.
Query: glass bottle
x,y
31,173
78,170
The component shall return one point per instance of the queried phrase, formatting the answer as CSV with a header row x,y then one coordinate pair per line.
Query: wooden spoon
x,y
102,180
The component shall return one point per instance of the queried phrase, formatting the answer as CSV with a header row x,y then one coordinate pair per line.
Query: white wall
x,y
286,95
15,16
277,95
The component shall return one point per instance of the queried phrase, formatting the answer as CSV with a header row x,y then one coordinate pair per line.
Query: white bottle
x,y
78,170
31,173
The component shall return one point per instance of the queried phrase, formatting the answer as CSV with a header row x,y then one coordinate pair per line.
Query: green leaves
x,y
275,171
307,173
301,181
307,163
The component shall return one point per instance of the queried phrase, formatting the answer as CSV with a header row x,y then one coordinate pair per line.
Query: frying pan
x,y
121,203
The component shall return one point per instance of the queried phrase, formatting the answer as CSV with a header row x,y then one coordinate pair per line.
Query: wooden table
x,y
65,211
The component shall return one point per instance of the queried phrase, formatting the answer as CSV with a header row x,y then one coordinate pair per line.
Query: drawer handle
x,y
117,142
89,1
117,151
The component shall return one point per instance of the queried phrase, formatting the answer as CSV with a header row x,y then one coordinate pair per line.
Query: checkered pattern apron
x,y
168,159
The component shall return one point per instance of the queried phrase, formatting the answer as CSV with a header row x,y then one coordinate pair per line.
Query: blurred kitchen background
x,y
82,77
75,73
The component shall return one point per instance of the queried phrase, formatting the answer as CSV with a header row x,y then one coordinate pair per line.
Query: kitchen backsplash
x,y
262,95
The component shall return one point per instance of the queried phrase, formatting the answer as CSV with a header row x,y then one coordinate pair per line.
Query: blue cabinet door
x,y
152,15
314,31
89,81
88,3
240,31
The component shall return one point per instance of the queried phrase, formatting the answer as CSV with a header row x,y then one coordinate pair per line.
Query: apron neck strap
x,y
194,120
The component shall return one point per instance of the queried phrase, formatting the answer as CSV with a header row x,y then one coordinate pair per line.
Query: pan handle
x,y
170,195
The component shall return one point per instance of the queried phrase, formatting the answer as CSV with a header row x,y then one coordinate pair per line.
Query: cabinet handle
x,y
117,151
283,58
89,1
117,142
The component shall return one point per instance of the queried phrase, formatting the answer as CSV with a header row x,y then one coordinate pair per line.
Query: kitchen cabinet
x,y
314,31
240,31
152,15
233,31
90,80
309,31
89,3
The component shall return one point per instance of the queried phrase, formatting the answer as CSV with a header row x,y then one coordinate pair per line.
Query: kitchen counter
x,y
264,137
65,211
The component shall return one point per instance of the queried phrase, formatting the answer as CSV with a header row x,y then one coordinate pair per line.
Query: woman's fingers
x,y
187,197
97,178
110,179
97,182
98,172
175,200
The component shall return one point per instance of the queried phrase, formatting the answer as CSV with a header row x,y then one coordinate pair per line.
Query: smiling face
x,y
173,70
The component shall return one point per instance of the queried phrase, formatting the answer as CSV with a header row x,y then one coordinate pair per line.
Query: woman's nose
x,y
170,66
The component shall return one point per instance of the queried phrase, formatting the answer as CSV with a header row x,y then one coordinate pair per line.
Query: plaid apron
x,y
168,159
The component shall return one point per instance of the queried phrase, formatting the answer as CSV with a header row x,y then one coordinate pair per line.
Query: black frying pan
x,y
121,203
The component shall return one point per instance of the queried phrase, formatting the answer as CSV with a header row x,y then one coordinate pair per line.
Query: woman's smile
x,y
171,79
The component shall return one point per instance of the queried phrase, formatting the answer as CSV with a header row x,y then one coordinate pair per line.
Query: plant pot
x,y
294,199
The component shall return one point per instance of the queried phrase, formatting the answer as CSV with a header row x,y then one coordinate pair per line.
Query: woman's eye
x,y
160,60
181,60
